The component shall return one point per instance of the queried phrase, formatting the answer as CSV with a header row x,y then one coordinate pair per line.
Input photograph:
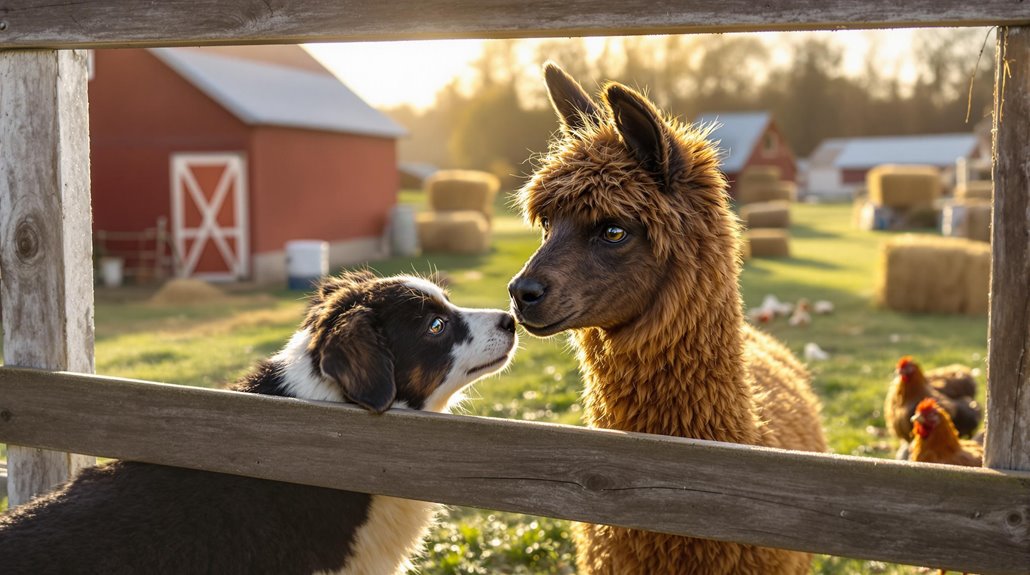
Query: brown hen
x,y
936,439
910,387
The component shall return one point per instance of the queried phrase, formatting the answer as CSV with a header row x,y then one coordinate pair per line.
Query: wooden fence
x,y
964,519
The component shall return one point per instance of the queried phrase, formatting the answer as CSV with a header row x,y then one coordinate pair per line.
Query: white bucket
x,y
307,261
403,231
111,271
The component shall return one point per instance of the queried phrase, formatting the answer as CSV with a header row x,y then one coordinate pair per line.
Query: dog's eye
x,y
437,326
613,234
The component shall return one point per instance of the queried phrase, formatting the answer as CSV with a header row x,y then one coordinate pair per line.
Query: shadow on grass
x,y
807,232
759,271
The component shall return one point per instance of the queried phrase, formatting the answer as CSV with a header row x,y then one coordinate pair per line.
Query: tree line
x,y
499,119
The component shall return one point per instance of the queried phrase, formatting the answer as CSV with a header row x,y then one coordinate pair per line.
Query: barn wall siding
x,y
319,185
140,113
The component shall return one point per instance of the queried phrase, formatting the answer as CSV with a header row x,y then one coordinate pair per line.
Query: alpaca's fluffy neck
x,y
677,370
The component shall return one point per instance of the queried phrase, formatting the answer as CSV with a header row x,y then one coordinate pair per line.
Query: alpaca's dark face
x,y
585,274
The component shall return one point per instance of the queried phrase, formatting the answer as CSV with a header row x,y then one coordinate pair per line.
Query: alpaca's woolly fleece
x,y
688,366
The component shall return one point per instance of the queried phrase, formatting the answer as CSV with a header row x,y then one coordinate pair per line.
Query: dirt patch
x,y
187,292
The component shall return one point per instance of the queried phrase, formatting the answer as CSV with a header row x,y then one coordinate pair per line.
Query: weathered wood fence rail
x,y
117,23
956,518
965,519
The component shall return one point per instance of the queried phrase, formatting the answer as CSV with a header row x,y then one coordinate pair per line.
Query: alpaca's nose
x,y
526,291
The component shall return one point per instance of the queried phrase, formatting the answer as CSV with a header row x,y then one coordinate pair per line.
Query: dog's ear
x,y
644,132
346,280
570,101
354,354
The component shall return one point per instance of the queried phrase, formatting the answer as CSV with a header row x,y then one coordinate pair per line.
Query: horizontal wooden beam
x,y
118,23
955,518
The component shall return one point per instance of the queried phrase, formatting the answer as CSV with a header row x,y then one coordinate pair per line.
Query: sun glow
x,y
389,74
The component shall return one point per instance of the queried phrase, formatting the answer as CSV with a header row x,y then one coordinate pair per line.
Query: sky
x,y
390,74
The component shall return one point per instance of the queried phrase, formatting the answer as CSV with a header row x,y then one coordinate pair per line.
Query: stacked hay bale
x,y
774,214
975,190
764,203
931,274
900,197
768,243
461,203
969,215
762,184
458,232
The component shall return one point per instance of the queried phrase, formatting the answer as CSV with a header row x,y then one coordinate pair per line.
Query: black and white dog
x,y
377,342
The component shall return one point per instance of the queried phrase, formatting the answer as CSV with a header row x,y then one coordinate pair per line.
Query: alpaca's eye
x,y
613,234
437,326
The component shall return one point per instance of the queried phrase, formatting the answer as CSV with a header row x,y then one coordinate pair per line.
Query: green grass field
x,y
209,344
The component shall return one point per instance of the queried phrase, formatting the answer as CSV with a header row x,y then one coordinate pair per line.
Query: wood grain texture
x,y
1008,371
114,23
3,480
830,504
45,248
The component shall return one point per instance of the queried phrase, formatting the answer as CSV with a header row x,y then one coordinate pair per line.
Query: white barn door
x,y
209,216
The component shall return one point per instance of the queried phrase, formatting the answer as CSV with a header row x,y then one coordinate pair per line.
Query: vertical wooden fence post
x,y
46,253
1008,390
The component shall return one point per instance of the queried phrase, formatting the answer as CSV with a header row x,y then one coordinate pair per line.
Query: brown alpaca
x,y
641,259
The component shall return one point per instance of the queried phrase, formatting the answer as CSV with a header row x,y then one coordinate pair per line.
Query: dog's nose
x,y
507,323
526,291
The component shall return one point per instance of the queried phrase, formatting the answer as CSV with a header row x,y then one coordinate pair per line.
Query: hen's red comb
x,y
905,361
926,406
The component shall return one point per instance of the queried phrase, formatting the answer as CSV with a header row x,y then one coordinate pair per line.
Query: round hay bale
x,y
768,243
927,274
903,186
186,291
460,232
458,190
753,193
775,214
975,190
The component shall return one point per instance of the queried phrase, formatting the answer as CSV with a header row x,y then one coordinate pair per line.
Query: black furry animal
x,y
377,342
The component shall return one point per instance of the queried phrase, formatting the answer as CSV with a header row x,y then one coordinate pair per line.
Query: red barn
x,y
240,150
750,139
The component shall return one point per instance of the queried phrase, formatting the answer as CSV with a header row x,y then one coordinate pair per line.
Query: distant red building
x,y
749,139
240,150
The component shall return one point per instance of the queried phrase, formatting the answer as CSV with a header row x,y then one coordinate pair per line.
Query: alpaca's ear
x,y
354,355
569,99
644,132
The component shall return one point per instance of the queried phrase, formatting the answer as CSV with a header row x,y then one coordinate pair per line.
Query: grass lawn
x,y
209,344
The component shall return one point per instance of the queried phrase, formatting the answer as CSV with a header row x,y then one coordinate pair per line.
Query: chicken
x,y
758,315
936,439
800,317
909,388
822,307
815,353
955,381
774,304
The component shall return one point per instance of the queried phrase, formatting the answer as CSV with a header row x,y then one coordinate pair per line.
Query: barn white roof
x,y
935,150
261,93
737,134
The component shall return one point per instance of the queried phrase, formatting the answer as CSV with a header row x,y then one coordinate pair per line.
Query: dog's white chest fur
x,y
389,537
